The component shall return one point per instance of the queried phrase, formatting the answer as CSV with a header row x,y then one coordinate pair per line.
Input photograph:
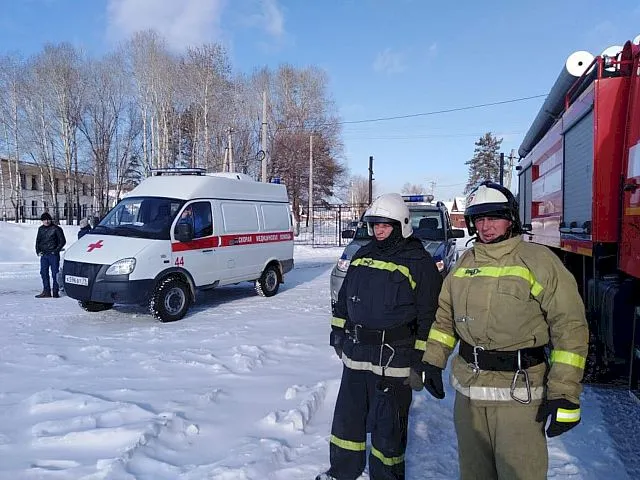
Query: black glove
x,y
338,351
414,380
564,416
336,340
432,376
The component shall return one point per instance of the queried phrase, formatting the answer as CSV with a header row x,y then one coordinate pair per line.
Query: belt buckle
x,y
355,337
474,365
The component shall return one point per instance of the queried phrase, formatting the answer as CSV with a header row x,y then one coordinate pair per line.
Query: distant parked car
x,y
431,224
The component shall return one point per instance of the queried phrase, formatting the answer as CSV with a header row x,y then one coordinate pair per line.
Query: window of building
x,y
84,210
34,208
34,183
85,189
23,181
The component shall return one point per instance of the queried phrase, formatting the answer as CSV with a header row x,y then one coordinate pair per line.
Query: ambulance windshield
x,y
142,217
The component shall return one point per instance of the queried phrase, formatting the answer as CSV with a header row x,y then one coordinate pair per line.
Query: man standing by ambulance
x,y
504,302
50,241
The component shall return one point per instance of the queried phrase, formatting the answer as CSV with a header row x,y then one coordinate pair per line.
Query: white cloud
x,y
389,61
180,22
270,18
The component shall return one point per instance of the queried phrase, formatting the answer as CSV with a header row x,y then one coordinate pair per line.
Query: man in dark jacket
x,y
84,228
380,325
49,241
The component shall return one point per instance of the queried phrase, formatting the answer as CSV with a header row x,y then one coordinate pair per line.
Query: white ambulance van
x,y
180,231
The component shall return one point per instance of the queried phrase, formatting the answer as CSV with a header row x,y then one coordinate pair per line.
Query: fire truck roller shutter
x,y
578,160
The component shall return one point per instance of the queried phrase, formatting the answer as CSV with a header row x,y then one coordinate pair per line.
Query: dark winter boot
x,y
55,295
325,476
44,294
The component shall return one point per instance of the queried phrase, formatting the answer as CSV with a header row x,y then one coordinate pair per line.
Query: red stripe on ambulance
x,y
232,240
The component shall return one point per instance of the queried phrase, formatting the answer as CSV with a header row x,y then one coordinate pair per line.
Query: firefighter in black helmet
x,y
504,302
380,323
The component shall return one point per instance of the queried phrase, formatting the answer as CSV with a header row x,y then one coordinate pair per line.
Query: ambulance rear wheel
x,y
171,300
269,282
90,306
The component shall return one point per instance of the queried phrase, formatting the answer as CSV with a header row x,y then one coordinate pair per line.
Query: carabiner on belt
x,y
393,354
514,382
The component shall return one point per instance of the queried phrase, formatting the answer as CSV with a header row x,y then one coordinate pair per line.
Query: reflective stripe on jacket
x,y
386,289
508,296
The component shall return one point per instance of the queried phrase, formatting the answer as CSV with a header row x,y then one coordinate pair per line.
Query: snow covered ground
x,y
242,388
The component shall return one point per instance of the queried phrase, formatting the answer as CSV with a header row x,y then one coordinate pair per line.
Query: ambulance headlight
x,y
122,267
343,264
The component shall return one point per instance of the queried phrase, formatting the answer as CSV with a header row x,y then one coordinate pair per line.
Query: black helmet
x,y
490,199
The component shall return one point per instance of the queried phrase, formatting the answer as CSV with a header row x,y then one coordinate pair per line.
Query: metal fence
x,y
28,214
328,222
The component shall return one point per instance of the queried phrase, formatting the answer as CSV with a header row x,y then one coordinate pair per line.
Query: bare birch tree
x,y
11,80
59,70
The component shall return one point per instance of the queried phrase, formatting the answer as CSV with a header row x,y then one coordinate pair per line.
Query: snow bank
x,y
18,241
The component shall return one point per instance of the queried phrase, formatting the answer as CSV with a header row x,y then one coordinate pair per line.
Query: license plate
x,y
76,280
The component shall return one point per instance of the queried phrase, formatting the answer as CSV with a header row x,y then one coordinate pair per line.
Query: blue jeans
x,y
49,260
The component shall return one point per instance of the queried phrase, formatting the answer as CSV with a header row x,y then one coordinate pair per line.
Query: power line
x,y
414,115
358,136
437,112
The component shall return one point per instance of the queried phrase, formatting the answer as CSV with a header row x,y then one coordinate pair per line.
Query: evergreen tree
x,y
485,163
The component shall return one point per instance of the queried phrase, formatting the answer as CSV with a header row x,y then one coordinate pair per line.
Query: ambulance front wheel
x,y
170,300
269,282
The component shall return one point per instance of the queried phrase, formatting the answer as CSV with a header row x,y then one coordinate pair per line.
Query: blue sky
x,y
384,58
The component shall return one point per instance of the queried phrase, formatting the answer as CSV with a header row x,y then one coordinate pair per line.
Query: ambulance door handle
x,y
209,250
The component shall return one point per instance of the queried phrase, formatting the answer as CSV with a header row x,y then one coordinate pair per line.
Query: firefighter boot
x,y
325,476
44,294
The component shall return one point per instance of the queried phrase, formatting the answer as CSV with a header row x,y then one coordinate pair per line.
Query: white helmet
x,y
490,199
389,208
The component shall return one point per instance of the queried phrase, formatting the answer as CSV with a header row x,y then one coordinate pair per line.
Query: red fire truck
x,y
579,192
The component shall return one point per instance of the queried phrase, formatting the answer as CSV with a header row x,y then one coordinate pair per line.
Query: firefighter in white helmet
x,y
380,323
504,302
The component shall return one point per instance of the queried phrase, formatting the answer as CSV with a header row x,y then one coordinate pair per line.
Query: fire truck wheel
x,y
90,306
171,300
269,282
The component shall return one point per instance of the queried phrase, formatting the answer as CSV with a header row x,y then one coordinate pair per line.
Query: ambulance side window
x,y
198,214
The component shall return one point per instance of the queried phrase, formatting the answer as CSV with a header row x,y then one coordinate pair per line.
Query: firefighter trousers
x,y
380,405
501,442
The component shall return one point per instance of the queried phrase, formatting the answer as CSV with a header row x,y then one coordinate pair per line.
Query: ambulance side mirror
x,y
183,232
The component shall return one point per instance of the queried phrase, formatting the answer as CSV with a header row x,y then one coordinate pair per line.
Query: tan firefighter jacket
x,y
507,296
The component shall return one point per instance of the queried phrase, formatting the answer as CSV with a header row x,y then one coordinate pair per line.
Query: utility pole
x,y
370,179
509,170
501,168
231,167
310,216
433,187
264,136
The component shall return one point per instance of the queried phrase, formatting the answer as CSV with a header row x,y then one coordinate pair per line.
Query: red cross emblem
x,y
93,246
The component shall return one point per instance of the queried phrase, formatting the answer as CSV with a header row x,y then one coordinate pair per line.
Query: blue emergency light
x,y
418,198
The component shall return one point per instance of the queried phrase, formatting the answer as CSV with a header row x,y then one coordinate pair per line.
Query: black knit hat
x,y
45,216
